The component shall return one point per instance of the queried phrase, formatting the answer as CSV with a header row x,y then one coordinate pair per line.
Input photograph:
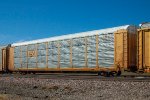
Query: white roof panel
x,y
76,35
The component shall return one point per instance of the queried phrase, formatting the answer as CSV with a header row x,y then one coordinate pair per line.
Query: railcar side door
x,y
121,49
147,49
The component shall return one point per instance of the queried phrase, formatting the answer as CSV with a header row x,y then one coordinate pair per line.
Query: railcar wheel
x,y
107,74
118,73
141,71
101,73
23,73
113,73
33,73
133,68
20,72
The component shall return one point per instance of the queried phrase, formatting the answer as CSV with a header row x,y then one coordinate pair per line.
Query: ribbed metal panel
x,y
59,53
42,46
17,58
31,47
52,64
52,54
91,51
24,65
64,46
32,65
106,50
24,48
78,52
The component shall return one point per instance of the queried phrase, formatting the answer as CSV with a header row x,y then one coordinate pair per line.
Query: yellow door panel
x,y
147,49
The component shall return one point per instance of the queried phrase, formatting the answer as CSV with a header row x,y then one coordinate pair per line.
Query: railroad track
x,y
79,77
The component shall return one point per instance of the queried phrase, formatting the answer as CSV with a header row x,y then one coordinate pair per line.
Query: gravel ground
x,y
60,89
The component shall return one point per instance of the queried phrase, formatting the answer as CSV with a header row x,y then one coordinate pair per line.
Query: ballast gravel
x,y
61,89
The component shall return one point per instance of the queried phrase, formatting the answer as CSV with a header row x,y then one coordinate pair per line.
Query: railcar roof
x,y
3,46
75,35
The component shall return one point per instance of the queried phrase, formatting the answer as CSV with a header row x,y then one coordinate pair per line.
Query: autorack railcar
x,y
110,50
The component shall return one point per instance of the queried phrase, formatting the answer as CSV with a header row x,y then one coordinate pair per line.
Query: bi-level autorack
x,y
107,51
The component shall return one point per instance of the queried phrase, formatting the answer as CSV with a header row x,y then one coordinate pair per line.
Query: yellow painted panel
x,y
147,49
118,48
140,50
4,58
11,59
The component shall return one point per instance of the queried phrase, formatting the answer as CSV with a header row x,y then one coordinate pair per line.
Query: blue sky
x,y
23,20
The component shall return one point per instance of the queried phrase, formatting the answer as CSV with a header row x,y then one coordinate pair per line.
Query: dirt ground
x,y
61,89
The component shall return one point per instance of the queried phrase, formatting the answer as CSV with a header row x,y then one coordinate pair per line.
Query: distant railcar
x,y
143,61
110,49
3,58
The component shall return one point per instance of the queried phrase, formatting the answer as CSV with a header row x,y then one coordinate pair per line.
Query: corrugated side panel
x,y
53,54
32,60
65,53
91,51
17,54
24,56
21,59
69,53
41,59
106,50
78,52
